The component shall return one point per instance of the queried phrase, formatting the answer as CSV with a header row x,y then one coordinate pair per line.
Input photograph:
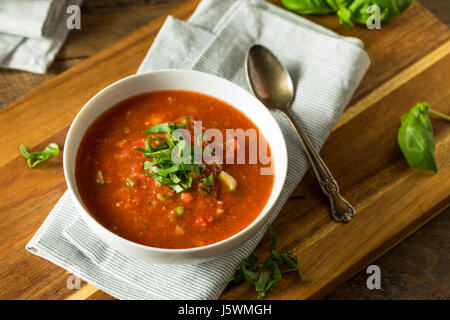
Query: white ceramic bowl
x,y
182,80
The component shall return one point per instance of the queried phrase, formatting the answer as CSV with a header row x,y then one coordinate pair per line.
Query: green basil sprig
x,y
415,137
349,11
266,275
34,158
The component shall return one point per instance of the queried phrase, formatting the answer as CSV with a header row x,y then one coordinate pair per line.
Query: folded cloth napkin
x,y
326,69
32,32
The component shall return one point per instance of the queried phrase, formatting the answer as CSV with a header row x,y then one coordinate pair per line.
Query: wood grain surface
x,y
410,62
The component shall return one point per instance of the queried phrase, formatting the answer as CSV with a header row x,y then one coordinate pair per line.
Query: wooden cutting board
x,y
410,63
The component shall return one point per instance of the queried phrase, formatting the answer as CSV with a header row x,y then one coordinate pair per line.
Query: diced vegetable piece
x,y
219,212
171,217
130,183
228,180
185,120
209,181
179,231
186,197
162,196
179,210
200,221
99,178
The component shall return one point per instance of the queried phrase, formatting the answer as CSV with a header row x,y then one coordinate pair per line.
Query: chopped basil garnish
x,y
209,181
265,276
154,138
163,169
34,158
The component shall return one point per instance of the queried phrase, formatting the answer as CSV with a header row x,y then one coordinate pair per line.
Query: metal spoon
x,y
272,85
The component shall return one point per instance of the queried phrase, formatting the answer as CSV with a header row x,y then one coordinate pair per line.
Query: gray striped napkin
x,y
326,70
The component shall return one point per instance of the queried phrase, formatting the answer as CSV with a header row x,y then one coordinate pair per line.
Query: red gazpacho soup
x,y
134,175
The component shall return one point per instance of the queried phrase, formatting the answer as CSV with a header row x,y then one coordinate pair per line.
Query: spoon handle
x,y
341,209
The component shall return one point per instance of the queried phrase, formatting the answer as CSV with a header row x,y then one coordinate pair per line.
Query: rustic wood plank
x,y
383,181
416,269
104,22
439,8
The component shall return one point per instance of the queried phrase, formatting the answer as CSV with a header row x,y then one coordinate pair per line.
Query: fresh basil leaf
x,y
175,178
165,127
160,146
140,149
273,266
160,128
308,6
349,11
34,158
245,264
159,154
263,280
273,247
24,151
345,17
172,169
148,165
262,293
176,187
250,275
415,138
187,183
290,262
147,146
52,150
160,179
251,260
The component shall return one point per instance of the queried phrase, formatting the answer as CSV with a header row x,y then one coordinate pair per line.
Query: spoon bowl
x,y
268,78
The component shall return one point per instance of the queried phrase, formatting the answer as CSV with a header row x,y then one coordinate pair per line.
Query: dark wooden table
x,y
418,268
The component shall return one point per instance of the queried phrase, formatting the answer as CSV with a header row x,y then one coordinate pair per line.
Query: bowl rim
x,y
263,214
